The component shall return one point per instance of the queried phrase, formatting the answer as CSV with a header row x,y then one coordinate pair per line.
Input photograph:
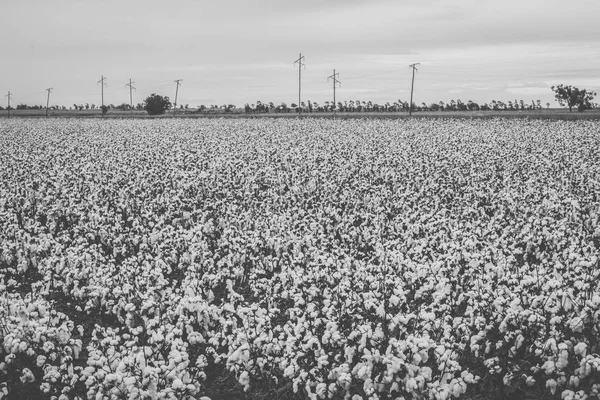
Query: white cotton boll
x,y
321,390
44,387
129,381
574,381
519,341
22,347
563,361
244,379
332,389
549,366
567,395
563,346
444,394
580,349
110,378
576,324
345,379
41,360
551,344
417,359
177,384
551,384
411,385
467,376
456,390
507,379
27,376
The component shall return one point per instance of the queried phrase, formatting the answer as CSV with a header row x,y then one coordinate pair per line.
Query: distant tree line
x,y
397,106
567,96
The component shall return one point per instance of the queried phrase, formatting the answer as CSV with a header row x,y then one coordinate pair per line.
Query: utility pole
x,y
102,84
335,80
9,95
178,82
131,88
414,68
49,90
300,63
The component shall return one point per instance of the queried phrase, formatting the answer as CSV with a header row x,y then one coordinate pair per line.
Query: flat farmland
x,y
299,258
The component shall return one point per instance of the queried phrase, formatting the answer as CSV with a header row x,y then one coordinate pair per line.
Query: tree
x,y
571,96
155,104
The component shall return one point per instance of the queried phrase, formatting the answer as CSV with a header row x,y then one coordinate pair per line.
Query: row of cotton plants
x,y
319,259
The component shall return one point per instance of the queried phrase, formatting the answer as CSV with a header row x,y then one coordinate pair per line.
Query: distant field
x,y
553,113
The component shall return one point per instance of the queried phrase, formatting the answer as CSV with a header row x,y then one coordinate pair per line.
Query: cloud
x,y
528,91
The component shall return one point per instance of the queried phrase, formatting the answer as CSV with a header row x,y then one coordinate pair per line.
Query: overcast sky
x,y
238,51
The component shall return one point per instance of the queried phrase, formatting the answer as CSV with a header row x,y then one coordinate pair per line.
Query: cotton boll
x,y
177,384
244,380
41,360
580,349
551,384
45,387
576,324
27,376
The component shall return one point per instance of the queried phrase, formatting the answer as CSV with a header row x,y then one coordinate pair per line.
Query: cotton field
x,y
308,259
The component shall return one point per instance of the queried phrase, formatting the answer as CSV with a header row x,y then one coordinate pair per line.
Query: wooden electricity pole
x,y
49,90
335,81
414,68
178,82
131,88
300,63
102,84
9,95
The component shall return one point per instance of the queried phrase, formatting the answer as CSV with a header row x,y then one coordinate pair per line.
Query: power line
x,y
131,88
102,84
414,68
300,65
9,95
49,90
335,80
178,82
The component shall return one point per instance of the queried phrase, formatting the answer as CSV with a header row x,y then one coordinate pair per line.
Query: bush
x,y
156,104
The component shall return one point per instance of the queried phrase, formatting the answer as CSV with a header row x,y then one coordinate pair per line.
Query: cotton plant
x,y
40,346
122,365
